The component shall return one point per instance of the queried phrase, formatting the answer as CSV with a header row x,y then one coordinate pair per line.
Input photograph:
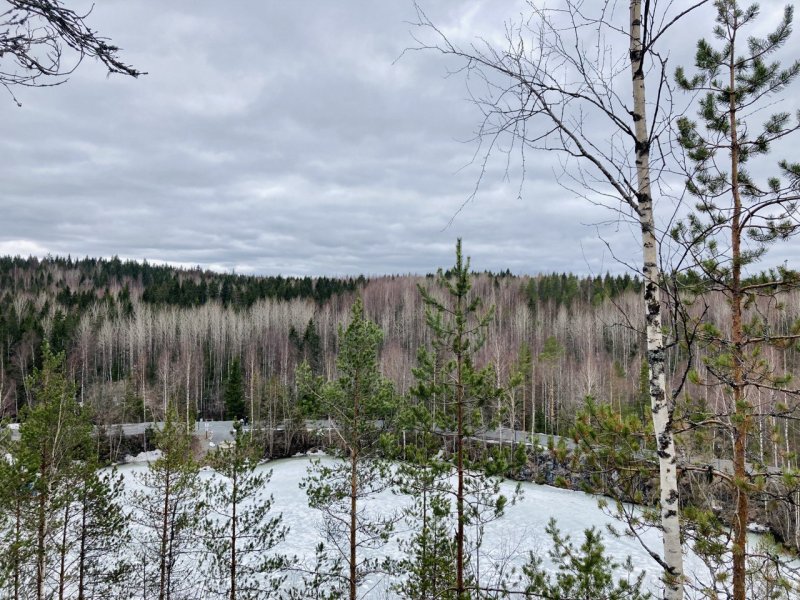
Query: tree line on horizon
x,y
118,337
72,530
572,337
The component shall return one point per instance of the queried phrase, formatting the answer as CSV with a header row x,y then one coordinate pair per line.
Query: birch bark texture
x,y
552,87
660,408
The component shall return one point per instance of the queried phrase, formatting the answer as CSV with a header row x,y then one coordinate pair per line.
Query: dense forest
x,y
150,334
90,340
138,336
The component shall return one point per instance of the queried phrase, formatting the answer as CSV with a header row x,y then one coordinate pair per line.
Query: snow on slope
x,y
521,530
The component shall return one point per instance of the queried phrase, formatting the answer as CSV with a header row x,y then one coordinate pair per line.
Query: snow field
x,y
507,540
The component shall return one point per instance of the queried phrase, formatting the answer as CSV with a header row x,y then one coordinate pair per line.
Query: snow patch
x,y
143,457
757,528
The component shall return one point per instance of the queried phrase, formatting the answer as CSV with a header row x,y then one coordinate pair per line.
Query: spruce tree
x,y
312,347
235,407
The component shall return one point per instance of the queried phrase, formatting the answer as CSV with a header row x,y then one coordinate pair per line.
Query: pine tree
x,y
54,435
360,401
240,532
737,219
585,573
430,551
16,503
60,512
166,508
100,529
452,396
320,581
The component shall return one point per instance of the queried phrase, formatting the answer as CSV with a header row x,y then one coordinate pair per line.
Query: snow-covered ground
x,y
510,538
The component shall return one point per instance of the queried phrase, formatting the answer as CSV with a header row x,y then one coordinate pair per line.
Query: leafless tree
x,y
555,85
42,42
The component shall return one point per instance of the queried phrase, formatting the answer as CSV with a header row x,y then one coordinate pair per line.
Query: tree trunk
x,y
235,492
353,496
41,529
353,491
659,402
82,553
17,545
62,563
460,594
164,541
741,420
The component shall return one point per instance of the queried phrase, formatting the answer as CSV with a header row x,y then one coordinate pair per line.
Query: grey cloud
x,y
282,137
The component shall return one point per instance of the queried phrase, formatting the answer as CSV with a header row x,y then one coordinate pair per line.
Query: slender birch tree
x,y
554,86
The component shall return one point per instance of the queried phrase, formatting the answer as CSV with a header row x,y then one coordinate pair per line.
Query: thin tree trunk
x,y
353,491
17,545
460,595
353,496
425,538
235,493
62,563
741,411
252,391
41,530
188,360
659,402
164,541
82,554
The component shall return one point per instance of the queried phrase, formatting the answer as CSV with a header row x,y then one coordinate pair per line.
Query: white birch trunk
x,y
659,401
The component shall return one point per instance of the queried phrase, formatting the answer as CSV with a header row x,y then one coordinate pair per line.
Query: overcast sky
x,y
286,137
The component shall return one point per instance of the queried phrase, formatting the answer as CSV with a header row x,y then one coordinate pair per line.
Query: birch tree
x,y
554,86
42,42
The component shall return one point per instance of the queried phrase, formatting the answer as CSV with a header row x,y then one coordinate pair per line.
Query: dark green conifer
x,y
235,407
361,401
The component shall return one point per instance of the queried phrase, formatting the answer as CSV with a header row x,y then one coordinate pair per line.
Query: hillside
x,y
138,335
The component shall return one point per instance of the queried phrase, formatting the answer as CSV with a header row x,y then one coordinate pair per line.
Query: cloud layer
x,y
283,137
